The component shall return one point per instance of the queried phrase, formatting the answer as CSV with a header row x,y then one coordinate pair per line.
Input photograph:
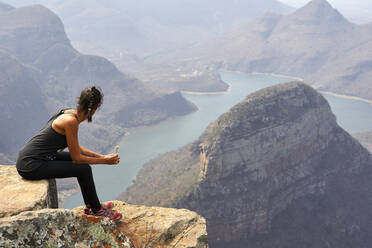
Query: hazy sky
x,y
359,11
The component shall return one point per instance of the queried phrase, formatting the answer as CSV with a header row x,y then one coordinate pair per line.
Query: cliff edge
x,y
26,221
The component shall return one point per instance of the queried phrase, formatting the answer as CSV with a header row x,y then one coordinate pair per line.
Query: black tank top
x,y
42,147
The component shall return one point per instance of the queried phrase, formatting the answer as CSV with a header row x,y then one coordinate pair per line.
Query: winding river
x,y
145,143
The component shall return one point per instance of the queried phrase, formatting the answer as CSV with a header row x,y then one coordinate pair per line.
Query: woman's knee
x,y
85,172
85,167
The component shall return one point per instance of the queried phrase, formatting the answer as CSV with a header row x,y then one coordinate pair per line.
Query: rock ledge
x,y
140,227
18,195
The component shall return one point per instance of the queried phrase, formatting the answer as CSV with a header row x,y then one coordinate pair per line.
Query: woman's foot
x,y
104,212
107,205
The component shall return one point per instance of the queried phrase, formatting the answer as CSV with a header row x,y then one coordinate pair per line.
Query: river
x,y
144,143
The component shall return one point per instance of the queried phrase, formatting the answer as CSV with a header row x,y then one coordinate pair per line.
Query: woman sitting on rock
x,y
42,156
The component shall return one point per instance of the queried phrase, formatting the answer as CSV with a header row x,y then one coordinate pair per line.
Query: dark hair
x,y
90,98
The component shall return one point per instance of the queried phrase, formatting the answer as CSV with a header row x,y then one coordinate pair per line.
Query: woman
x,y
42,156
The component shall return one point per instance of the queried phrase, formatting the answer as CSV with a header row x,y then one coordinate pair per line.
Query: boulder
x,y
18,195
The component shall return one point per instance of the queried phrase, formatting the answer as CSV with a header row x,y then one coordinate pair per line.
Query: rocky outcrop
x,y
275,171
140,226
274,160
18,195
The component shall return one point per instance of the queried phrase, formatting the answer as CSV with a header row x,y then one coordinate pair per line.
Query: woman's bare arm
x,y
71,126
89,153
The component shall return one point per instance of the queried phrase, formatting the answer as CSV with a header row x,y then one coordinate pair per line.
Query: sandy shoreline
x,y
207,93
346,97
269,74
279,75
323,92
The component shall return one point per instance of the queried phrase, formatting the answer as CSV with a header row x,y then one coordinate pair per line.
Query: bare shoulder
x,y
69,119
63,122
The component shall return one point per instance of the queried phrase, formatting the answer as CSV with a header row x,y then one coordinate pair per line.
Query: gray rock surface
x,y
365,138
59,228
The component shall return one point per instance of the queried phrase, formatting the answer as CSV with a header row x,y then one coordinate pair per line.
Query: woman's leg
x,y
65,156
64,169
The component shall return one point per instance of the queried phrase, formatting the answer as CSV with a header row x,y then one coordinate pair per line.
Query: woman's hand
x,y
112,159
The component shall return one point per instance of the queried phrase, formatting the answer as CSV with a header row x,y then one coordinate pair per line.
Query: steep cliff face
x,y
277,171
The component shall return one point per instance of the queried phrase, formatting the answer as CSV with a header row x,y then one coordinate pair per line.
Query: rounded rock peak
x,y
266,108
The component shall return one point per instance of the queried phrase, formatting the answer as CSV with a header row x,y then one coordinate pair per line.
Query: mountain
x,y
134,36
315,43
42,72
21,103
23,32
365,138
147,28
276,170
5,7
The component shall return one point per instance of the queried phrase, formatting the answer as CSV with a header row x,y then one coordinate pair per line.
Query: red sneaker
x,y
104,212
107,205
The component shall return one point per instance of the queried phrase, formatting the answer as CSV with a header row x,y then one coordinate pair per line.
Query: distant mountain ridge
x,y
140,33
145,28
5,7
29,31
315,43
42,72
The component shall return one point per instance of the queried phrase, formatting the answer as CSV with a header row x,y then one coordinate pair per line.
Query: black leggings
x,y
61,167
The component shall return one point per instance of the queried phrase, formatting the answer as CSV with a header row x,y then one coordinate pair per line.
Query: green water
x,y
145,143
